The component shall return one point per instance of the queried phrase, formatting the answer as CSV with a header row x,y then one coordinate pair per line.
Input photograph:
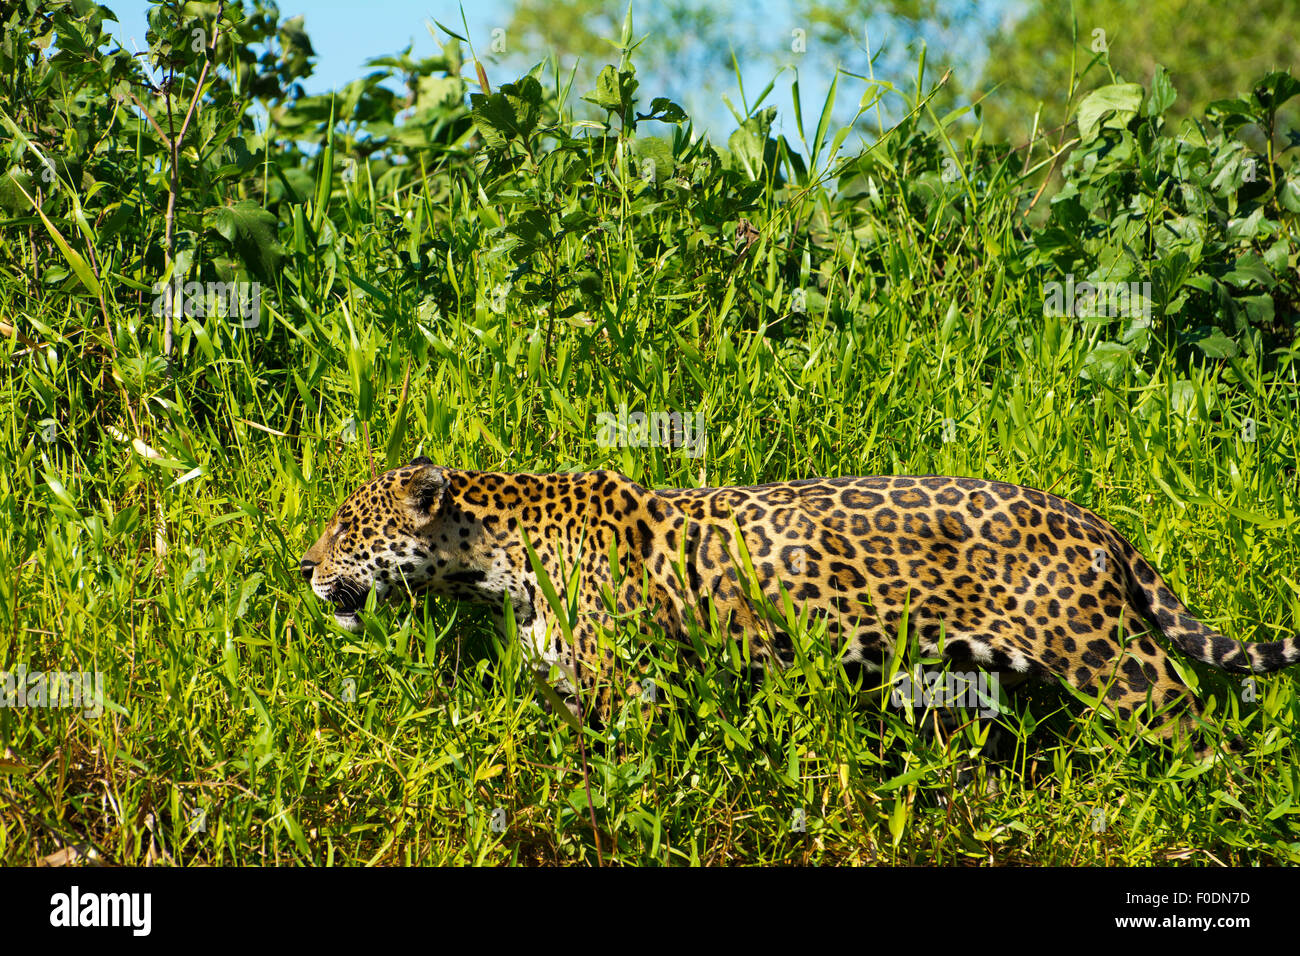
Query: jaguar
x,y
1007,578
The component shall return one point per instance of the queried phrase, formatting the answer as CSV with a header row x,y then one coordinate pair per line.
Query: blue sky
x,y
345,34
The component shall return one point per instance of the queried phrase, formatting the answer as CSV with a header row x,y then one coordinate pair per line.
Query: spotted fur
x,y
989,573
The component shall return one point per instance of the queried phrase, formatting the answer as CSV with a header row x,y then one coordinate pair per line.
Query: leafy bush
x,y
1206,222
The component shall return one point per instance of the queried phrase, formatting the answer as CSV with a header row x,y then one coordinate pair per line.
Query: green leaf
x,y
247,590
450,32
1230,167
252,231
512,111
1249,269
1107,362
1163,93
1258,308
492,119
73,257
1277,255
905,779
614,90
230,662
1230,114
1123,100
655,156
1276,88
665,111
558,707
1289,194
1217,345
750,143
1250,226
393,451
325,175
578,799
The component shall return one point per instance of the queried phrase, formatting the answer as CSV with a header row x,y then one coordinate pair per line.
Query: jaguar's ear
x,y
426,487
421,461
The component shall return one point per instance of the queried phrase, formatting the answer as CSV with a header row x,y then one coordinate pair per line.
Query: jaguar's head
x,y
381,539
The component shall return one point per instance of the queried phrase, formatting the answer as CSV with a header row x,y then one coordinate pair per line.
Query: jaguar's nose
x,y
306,567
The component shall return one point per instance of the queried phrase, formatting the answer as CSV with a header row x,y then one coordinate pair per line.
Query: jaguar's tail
x,y
1161,606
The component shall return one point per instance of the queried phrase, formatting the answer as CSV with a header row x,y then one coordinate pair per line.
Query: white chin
x,y
349,621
